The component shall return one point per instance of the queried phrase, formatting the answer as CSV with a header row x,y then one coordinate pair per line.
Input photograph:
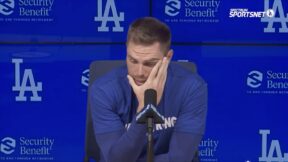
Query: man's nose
x,y
140,70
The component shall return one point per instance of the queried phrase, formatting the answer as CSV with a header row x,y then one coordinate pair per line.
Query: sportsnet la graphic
x,y
271,150
267,82
274,16
26,10
103,17
191,11
245,13
26,148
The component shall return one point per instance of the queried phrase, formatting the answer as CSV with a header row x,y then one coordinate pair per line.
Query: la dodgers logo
x,y
277,6
104,17
23,86
268,155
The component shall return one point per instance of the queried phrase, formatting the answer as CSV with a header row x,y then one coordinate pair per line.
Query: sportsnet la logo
x,y
172,7
7,145
254,79
6,7
104,17
245,13
22,85
271,151
280,18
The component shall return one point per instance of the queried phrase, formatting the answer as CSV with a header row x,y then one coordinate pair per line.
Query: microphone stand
x,y
150,150
150,116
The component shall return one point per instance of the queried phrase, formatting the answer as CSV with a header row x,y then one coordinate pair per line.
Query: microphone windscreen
x,y
150,97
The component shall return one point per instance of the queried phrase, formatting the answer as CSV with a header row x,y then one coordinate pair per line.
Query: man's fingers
x,y
163,69
155,70
166,63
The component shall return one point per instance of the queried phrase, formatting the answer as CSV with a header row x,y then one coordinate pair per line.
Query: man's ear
x,y
170,54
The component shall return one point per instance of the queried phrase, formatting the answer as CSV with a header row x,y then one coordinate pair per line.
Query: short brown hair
x,y
149,30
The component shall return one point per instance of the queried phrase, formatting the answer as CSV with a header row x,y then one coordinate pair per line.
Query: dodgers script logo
x,y
274,153
271,17
254,79
23,86
104,17
172,7
7,145
6,7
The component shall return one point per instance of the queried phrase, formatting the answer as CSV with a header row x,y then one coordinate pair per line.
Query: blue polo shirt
x,y
120,138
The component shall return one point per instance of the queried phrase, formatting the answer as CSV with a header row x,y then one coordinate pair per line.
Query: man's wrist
x,y
140,107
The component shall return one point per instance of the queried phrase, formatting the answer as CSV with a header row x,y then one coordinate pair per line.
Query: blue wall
x,y
52,44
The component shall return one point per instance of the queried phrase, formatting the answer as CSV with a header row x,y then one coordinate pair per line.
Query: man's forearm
x,y
123,146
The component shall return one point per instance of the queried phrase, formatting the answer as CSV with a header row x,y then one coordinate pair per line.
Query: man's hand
x,y
156,80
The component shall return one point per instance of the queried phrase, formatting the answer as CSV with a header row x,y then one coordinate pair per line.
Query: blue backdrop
x,y
46,47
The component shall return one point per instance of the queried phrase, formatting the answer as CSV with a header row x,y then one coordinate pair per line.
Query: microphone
x,y
150,111
150,115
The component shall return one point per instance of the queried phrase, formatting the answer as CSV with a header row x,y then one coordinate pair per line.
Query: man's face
x,y
141,59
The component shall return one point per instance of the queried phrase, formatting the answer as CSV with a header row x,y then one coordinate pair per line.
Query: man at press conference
x,y
118,97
